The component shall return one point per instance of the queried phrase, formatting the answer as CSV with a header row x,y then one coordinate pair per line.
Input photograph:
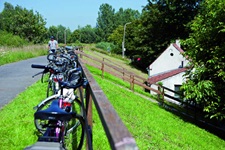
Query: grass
x,y
17,127
152,127
9,55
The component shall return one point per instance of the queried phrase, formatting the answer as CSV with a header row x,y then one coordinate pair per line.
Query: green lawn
x,y
152,127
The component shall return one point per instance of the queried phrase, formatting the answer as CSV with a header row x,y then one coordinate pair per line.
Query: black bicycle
x,y
60,117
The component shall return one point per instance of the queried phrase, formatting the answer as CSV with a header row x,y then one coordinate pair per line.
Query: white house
x,y
169,68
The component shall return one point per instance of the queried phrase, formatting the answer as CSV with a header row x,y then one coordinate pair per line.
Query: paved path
x,y
16,77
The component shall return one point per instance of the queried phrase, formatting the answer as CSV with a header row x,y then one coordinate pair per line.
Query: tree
x,y
23,22
161,23
123,17
105,21
59,32
205,49
75,36
87,35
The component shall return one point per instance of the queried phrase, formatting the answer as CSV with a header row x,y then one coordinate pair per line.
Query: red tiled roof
x,y
178,48
165,75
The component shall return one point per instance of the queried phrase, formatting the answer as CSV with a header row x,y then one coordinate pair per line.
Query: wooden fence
x,y
108,66
118,135
186,109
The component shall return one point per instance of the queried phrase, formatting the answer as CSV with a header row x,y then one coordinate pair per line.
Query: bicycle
x,y
55,128
60,65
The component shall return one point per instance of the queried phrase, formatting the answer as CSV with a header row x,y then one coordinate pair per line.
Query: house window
x,y
171,52
177,89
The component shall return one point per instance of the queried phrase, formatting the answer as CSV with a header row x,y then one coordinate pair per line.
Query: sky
x,y
72,13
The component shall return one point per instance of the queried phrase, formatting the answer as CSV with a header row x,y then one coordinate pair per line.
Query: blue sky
x,y
72,13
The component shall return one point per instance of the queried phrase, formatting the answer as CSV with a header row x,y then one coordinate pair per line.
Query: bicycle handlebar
x,y
39,66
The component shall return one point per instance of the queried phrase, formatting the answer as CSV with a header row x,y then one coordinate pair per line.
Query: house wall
x,y
170,59
170,83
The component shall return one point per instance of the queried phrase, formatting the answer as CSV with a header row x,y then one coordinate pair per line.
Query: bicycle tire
x,y
49,89
76,107
74,139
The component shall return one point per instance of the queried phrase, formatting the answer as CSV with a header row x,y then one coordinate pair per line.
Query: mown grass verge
x,y
151,126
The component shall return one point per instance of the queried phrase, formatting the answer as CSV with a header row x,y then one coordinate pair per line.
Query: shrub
x,y
105,46
8,39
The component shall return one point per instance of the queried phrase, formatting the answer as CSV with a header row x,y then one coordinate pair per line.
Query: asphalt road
x,y
16,77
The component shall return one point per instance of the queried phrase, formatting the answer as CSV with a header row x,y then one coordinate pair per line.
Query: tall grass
x,y
9,55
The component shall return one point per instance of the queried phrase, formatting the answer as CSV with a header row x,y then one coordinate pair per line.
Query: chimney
x,y
178,43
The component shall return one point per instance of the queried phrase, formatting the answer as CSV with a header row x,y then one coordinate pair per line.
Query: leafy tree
x,y
87,35
105,21
123,17
52,31
59,32
205,49
5,16
161,23
116,38
75,36
23,22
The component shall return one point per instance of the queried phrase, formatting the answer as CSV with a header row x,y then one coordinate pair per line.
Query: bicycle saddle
x,y
54,112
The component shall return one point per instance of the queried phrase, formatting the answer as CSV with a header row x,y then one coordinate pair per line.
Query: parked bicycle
x,y
59,67
59,118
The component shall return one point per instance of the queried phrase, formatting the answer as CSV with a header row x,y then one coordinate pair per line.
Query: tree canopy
x,y
161,23
205,49
23,22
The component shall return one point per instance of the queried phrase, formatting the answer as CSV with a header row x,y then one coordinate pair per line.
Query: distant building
x,y
169,68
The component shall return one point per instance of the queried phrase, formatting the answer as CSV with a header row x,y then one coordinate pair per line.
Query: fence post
x,y
89,118
132,82
102,68
161,90
123,74
81,56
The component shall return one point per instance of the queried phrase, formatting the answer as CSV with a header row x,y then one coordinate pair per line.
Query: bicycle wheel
x,y
49,89
81,102
74,137
39,124
77,107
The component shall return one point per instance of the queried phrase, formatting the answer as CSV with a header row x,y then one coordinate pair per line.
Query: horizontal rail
x,y
117,71
116,132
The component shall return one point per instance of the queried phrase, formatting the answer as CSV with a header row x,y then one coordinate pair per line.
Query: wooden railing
x,y
118,135
114,69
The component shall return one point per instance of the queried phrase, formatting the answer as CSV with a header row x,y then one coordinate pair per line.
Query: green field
x,y
153,127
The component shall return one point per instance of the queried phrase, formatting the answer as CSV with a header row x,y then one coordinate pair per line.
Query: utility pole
x,y
65,36
58,36
123,43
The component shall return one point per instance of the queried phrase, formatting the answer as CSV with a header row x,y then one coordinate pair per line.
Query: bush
x,y
105,46
10,40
